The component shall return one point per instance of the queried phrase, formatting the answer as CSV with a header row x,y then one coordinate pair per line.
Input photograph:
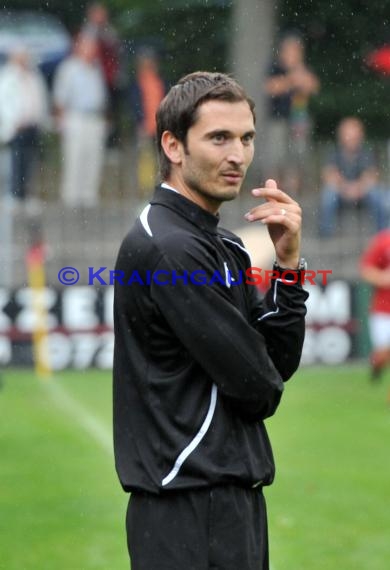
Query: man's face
x,y
351,134
87,49
98,15
219,149
291,53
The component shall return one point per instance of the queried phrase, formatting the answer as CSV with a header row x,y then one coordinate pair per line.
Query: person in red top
x,y
375,269
99,27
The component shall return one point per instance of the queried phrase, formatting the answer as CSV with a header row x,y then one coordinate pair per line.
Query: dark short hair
x,y
178,110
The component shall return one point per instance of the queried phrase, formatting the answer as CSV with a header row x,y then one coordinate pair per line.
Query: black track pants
x,y
218,528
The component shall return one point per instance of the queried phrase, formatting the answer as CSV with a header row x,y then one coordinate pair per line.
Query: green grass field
x,y
61,506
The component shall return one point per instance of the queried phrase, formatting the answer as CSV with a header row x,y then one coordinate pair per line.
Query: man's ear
x,y
172,147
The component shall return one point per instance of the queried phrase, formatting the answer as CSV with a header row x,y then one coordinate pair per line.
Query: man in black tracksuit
x,y
200,360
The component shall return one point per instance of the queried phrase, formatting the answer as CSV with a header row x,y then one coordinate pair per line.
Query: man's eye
x,y
247,139
219,138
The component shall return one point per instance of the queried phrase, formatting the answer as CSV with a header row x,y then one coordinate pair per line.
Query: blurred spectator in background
x,y
350,175
24,112
99,27
146,92
289,85
375,269
80,102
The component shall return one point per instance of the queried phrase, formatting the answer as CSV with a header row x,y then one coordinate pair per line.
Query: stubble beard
x,y
194,183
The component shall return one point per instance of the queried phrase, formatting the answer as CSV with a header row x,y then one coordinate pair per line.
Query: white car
x,y
42,34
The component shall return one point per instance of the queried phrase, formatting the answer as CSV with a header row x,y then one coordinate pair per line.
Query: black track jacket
x,y
199,359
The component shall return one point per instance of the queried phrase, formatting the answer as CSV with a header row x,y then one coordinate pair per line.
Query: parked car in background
x,y
42,34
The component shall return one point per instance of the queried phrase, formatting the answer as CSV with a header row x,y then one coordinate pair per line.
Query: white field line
x,y
92,425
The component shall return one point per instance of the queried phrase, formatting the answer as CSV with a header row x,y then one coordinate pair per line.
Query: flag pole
x,y
35,262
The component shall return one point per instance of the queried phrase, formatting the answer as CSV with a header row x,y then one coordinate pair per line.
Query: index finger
x,y
270,183
273,194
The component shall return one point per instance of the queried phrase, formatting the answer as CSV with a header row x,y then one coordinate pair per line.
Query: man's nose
x,y
236,153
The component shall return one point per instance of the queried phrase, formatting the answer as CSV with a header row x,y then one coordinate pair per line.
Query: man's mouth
x,y
233,177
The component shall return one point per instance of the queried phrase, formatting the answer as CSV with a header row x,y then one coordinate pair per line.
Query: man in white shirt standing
x,y
80,100
23,113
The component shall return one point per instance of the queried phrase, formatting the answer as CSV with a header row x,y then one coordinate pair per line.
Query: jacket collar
x,y
172,199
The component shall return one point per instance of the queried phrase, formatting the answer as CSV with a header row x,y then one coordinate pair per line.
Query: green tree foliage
x,y
338,36
186,34
195,34
186,37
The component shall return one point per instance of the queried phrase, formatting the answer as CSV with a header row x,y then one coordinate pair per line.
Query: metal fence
x,y
90,237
